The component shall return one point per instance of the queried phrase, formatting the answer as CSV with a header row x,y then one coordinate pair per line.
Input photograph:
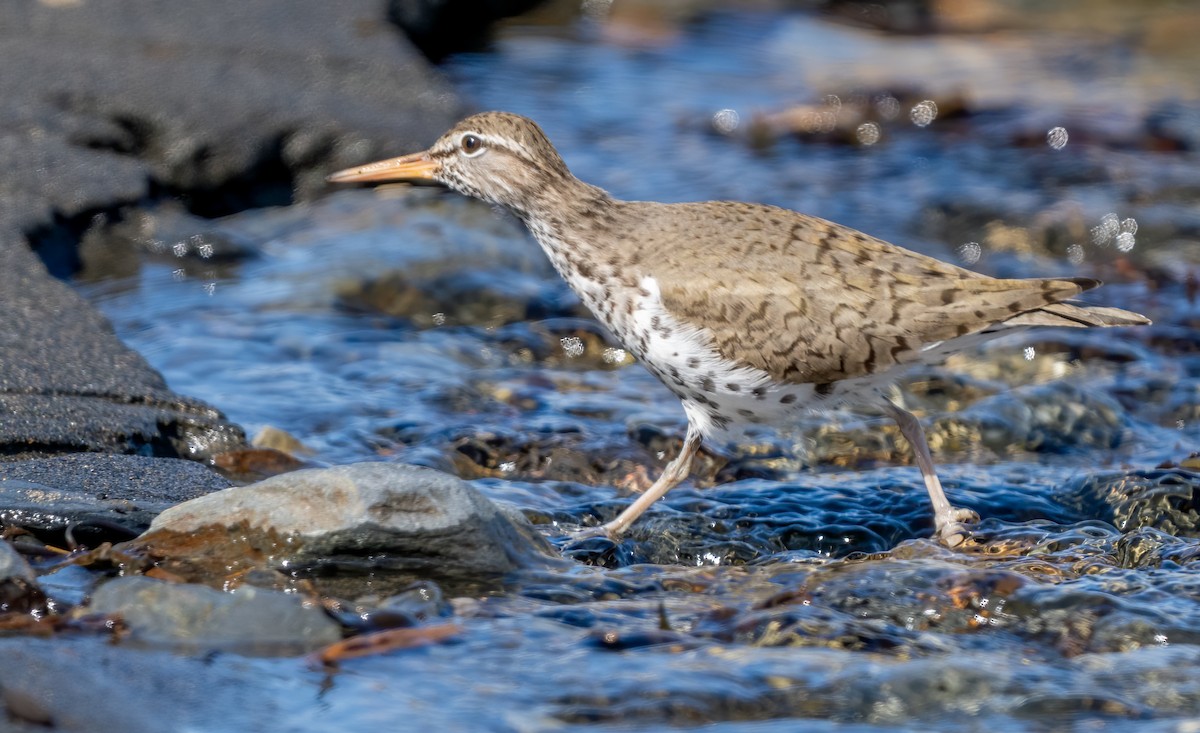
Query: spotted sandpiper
x,y
748,313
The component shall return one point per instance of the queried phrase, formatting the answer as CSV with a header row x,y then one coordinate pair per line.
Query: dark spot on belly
x,y
824,389
759,392
733,387
707,384
746,413
693,362
787,399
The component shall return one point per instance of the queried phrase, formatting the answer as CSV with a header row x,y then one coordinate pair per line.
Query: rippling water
x,y
414,326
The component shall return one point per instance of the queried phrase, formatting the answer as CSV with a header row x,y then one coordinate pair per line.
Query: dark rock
x,y
196,618
441,27
67,384
133,103
422,520
47,495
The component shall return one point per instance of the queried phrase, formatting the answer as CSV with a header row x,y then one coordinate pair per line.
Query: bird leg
x,y
950,523
676,471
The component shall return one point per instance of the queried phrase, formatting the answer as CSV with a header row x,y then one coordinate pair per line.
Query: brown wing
x,y
809,301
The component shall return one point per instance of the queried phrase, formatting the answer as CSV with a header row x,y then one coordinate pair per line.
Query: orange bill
x,y
415,167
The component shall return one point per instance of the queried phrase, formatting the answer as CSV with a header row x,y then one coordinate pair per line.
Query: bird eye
x,y
471,144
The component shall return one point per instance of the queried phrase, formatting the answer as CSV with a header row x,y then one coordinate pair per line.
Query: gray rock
x,y
18,584
190,617
51,493
82,684
13,566
421,518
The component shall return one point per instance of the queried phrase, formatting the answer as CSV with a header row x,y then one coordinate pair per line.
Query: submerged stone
x,y
197,618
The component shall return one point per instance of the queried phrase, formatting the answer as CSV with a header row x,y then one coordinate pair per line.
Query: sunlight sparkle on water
x,y
572,346
923,113
867,133
1057,138
726,121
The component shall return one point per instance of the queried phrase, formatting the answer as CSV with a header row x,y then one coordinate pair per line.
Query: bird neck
x,y
572,221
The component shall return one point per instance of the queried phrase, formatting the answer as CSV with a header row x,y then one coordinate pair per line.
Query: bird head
x,y
498,157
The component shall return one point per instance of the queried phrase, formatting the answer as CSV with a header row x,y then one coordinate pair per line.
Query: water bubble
x,y
508,466
1075,254
179,274
867,133
923,113
1057,138
205,250
725,121
832,101
1030,352
180,249
970,252
210,289
439,319
572,346
1129,226
887,106
1125,241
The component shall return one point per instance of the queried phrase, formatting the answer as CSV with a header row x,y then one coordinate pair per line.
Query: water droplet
x,y
1125,241
614,355
1030,352
179,249
725,121
970,252
1057,138
868,133
1075,254
1108,228
923,113
572,346
1129,225
439,319
887,106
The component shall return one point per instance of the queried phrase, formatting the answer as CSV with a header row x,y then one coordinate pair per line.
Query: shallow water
x,y
415,326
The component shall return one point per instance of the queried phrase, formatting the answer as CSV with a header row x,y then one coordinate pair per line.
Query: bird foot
x,y
953,529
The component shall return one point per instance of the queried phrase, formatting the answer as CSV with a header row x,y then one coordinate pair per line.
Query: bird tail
x,y
1075,315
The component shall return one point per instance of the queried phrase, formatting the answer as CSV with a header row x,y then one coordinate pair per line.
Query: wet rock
x,y
1059,417
1162,499
87,684
48,495
470,296
421,520
197,618
67,384
18,584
